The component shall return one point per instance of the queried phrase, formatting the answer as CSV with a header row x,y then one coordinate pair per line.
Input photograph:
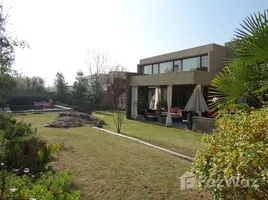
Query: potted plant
x,y
158,107
164,105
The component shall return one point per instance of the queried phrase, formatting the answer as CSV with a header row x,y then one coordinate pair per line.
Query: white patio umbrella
x,y
197,102
157,96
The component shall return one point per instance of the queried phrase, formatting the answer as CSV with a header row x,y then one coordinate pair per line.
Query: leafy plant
x,y
80,86
21,147
163,104
7,54
24,172
97,118
158,105
246,75
250,44
47,154
237,149
60,85
50,186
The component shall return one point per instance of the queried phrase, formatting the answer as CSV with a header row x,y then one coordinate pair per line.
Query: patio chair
x,y
151,115
176,114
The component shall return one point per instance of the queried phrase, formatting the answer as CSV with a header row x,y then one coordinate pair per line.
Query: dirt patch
x,y
72,119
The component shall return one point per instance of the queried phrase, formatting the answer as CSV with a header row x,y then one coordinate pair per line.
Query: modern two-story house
x,y
179,71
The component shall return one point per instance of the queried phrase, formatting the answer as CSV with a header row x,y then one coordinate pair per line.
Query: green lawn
x,y
105,166
181,141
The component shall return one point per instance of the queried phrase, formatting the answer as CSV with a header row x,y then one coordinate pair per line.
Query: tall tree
x,y
34,84
80,87
116,94
98,65
60,85
37,84
7,55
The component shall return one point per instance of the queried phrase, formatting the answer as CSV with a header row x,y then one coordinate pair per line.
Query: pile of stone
x,y
72,119
79,115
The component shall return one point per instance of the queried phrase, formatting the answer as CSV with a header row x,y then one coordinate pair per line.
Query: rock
x,y
76,115
70,119
98,125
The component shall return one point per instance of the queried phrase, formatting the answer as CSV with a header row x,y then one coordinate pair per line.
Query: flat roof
x,y
184,53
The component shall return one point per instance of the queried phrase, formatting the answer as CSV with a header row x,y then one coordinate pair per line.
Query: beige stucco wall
x,y
215,53
201,50
216,58
174,78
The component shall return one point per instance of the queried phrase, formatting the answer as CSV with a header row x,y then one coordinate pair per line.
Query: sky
x,y
60,33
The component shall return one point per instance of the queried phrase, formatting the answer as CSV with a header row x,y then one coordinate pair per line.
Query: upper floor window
x,y
186,64
191,64
155,69
177,66
204,63
147,69
166,67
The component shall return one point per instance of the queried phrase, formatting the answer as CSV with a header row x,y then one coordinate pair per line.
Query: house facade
x,y
179,71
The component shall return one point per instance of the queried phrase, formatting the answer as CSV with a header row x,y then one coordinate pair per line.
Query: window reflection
x,y
166,67
191,64
177,66
147,69
204,63
187,64
155,69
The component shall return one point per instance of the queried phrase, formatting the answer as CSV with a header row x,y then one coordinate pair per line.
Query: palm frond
x,y
237,80
251,40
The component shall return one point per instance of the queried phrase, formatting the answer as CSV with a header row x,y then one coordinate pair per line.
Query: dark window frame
x,y
147,65
174,64
173,61
201,62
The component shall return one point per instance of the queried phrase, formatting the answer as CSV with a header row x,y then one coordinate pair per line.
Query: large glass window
x,y
147,69
155,69
204,63
187,64
177,66
191,64
166,67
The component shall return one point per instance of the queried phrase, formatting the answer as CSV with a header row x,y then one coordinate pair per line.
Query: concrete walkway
x,y
148,144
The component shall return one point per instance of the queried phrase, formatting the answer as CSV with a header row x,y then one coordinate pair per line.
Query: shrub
x,y
50,186
23,152
21,147
97,119
47,154
24,172
6,120
235,155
